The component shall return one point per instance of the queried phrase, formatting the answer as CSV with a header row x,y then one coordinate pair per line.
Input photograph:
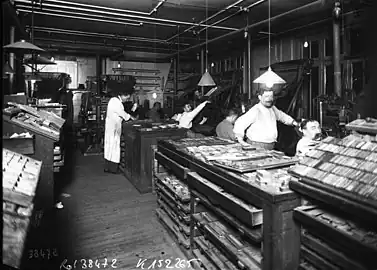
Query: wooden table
x,y
280,237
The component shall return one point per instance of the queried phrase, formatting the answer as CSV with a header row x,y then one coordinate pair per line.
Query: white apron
x,y
113,129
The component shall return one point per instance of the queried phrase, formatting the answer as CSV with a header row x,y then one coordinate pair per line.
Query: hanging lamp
x,y
39,60
22,47
269,78
206,79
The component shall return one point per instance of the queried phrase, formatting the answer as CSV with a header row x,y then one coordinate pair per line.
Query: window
x,y
356,43
329,50
314,83
357,77
314,49
329,80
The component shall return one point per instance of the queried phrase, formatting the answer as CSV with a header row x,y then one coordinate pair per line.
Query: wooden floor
x,y
104,217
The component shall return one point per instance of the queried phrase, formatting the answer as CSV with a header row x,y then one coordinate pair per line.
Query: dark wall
x,y
370,42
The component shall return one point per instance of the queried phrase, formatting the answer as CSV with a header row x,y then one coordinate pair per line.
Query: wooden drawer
x,y
214,255
185,208
253,234
332,228
20,145
178,170
246,213
328,253
239,253
185,228
183,197
173,228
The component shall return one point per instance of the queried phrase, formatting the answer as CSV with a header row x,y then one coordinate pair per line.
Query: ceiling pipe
x,y
102,11
102,35
80,18
313,5
80,44
159,4
234,14
309,25
129,21
209,18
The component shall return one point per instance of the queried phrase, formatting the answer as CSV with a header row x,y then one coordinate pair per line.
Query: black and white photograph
x,y
189,134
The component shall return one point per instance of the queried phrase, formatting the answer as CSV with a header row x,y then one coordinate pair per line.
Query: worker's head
x,y
157,105
266,97
311,129
125,95
187,107
231,115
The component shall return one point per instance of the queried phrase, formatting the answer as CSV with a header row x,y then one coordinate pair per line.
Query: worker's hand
x,y
295,124
134,107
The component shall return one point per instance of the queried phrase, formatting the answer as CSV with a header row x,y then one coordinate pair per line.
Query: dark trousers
x,y
111,167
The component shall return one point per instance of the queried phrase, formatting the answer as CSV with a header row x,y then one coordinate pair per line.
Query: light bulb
x,y
154,95
269,84
306,44
118,64
213,64
33,81
52,59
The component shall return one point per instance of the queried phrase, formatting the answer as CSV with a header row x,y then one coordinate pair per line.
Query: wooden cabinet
x,y
138,155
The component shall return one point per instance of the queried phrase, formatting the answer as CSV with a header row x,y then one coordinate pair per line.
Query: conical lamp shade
x,y
22,47
269,78
206,80
39,60
7,69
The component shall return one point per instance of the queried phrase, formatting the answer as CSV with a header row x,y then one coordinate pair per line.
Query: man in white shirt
x,y
260,122
185,118
311,131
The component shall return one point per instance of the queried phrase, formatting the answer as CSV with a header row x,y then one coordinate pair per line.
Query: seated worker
x,y
185,118
155,113
311,136
224,130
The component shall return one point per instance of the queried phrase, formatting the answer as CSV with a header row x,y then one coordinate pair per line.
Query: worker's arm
x,y
198,109
243,122
119,110
284,118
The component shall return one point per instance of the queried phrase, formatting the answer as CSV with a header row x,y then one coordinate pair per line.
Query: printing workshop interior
x,y
189,134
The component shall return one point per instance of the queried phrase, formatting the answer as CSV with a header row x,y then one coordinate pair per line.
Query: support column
x,y
245,73
175,63
336,42
203,68
11,59
249,79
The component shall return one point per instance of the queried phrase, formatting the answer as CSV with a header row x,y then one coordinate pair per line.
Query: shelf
x,y
155,71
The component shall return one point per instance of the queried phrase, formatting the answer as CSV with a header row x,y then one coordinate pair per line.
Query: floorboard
x,y
103,217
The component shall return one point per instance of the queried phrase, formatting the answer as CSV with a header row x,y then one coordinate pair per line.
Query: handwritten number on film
x,y
43,253
88,264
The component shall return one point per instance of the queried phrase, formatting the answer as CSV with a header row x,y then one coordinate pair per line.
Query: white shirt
x,y
185,118
260,123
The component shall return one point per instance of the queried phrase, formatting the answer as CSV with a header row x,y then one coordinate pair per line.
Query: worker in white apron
x,y
113,130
